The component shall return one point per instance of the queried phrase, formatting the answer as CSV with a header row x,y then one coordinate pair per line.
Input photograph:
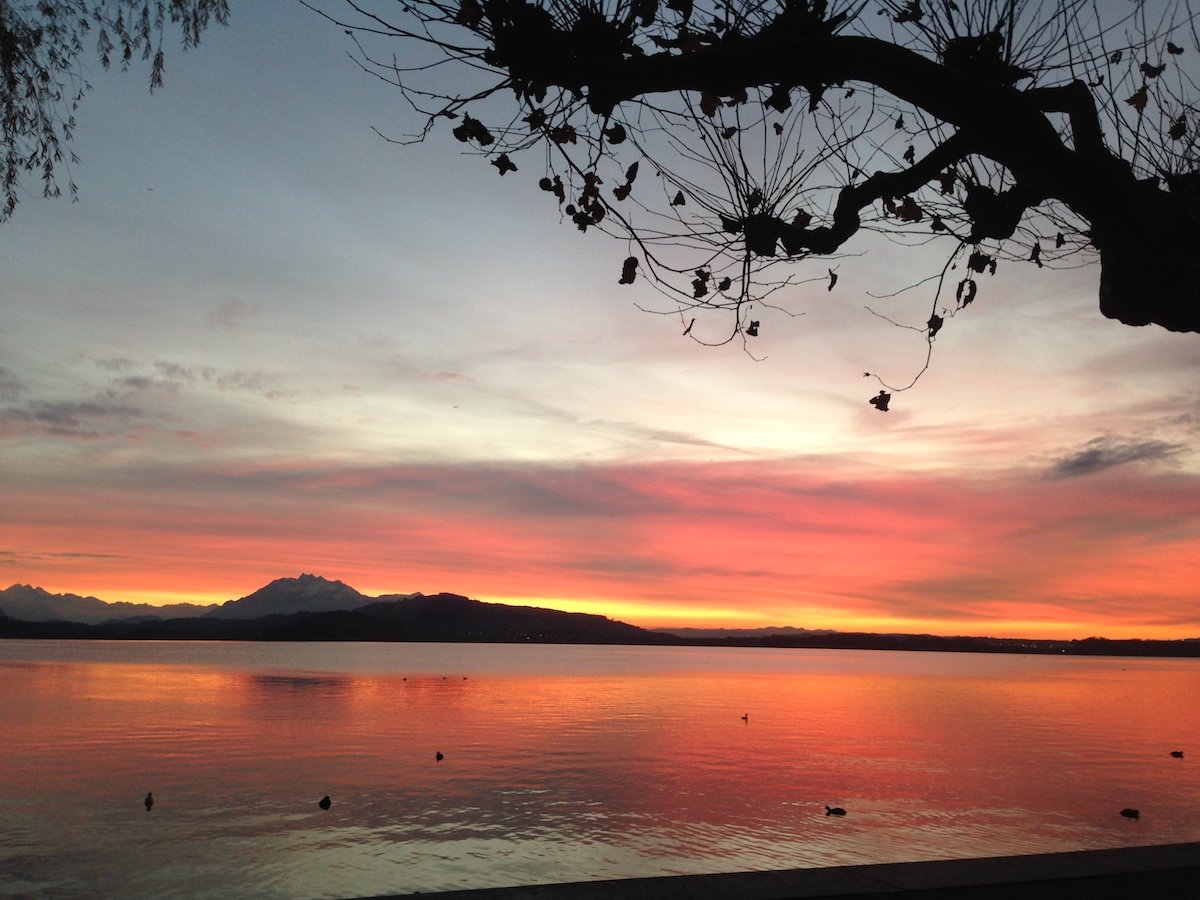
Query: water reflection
x,y
610,762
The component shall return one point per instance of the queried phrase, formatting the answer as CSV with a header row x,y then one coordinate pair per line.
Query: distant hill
x,y
284,596
742,633
33,604
440,617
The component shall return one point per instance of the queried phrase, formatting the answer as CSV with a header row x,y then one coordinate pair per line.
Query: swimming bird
x,y
834,811
325,802
746,718
438,756
1131,813
1178,754
149,800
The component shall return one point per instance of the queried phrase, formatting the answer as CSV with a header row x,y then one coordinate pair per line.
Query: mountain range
x,y
311,608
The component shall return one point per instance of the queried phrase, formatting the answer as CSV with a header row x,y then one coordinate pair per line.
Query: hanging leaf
x,y
778,129
709,103
688,330
966,292
679,199
563,134
621,191
752,328
535,120
1178,128
1139,99
473,129
1116,57
1173,50
724,284
880,401
703,275
504,164
683,7
802,219
631,173
1059,240
978,262
1153,71
629,271
616,134
755,198
832,280
946,181
909,211
910,155
911,12
1035,254
937,224
935,325
780,99
699,288
899,121
729,132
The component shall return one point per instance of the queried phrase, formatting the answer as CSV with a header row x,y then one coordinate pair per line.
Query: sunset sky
x,y
266,341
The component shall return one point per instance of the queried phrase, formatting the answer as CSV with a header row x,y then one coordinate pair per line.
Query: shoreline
x,y
1155,872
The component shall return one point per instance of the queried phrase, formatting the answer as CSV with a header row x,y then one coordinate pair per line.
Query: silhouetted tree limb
x,y
1050,129
41,80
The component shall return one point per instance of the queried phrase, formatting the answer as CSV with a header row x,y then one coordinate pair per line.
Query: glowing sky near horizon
x,y
267,342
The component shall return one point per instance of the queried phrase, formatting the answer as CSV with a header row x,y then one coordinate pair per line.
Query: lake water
x,y
564,763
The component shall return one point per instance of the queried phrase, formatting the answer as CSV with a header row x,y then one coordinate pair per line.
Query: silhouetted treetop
x,y
768,131
41,76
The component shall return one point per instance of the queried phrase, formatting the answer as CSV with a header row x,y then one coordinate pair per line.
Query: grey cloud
x,y
70,418
10,384
1105,452
231,311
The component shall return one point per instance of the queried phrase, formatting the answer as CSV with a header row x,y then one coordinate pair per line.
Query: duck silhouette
x,y
1178,754
834,811
325,802
1131,813
438,756
149,801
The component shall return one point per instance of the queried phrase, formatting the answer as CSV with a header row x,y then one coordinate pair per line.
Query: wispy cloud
x,y
1106,452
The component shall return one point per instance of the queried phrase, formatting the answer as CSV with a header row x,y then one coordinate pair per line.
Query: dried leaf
x,y
679,199
1173,50
832,280
724,284
778,129
703,275
899,121
473,129
1138,100
880,401
755,198
1153,71
780,99
699,288
616,134
946,181
504,164
1035,253
688,330
909,211
563,134
910,155
729,132
752,328
1059,240
910,13
535,120
621,191
935,325
1178,128
966,292
802,219
631,173
937,224
629,270
709,104
978,262
1116,57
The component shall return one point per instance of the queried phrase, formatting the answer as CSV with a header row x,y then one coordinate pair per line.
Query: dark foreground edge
x,y
1164,871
